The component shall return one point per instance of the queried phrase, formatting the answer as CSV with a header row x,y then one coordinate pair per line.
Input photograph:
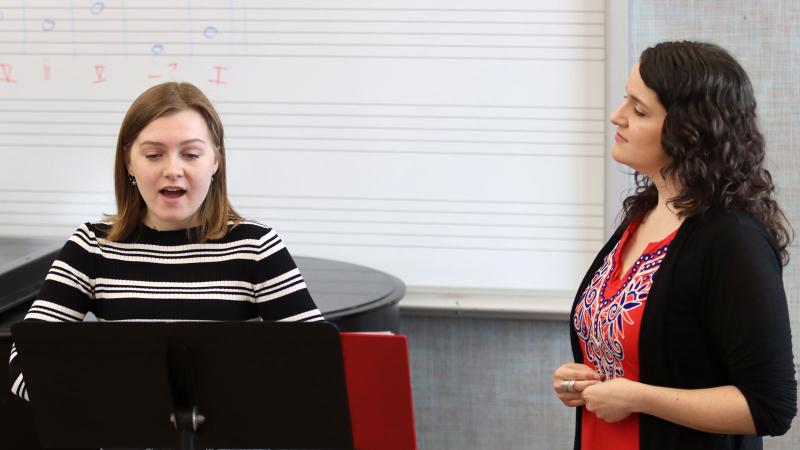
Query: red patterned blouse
x,y
607,320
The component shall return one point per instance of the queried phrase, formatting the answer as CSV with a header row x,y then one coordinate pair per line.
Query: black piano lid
x,y
24,263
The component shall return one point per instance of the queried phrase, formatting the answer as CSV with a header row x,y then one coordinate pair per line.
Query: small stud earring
x,y
132,180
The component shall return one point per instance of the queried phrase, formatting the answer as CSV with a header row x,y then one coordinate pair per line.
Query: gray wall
x,y
486,383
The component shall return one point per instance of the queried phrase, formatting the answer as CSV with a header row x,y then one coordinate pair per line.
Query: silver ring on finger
x,y
571,386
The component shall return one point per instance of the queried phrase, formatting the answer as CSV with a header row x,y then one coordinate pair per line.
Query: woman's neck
x,y
664,215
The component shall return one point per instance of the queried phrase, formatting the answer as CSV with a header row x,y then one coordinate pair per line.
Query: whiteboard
x,y
452,143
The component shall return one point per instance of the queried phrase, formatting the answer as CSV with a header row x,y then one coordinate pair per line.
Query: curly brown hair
x,y
711,135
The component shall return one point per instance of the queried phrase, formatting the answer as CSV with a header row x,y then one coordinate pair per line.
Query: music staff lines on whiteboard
x,y
351,233
566,227
325,8
384,239
390,116
288,55
411,199
327,198
435,235
413,211
52,20
429,141
108,204
328,44
462,248
337,209
267,115
355,33
314,203
309,126
396,33
273,219
276,219
488,210
49,203
331,127
63,225
274,102
84,146
421,141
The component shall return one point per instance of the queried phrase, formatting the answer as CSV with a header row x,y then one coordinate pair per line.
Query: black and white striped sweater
x,y
164,276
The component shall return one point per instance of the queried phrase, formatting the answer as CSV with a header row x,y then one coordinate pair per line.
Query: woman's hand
x,y
571,379
612,400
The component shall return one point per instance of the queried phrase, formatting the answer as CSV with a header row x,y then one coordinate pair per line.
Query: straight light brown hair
x,y
215,213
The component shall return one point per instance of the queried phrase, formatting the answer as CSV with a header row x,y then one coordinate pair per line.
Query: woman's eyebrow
x,y
192,141
152,143
162,145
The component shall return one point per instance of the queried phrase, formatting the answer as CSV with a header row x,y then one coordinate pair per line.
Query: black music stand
x,y
221,384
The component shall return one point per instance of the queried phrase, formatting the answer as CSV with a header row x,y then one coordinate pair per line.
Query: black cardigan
x,y
716,315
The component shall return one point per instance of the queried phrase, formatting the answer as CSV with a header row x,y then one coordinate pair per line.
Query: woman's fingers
x,y
564,385
581,385
575,371
567,377
576,398
571,379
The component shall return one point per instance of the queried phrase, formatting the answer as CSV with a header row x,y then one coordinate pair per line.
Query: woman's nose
x,y
618,118
174,167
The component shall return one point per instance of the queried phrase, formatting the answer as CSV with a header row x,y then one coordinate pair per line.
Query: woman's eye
x,y
638,113
191,156
152,156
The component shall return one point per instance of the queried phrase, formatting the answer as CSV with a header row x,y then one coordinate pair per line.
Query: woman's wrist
x,y
640,397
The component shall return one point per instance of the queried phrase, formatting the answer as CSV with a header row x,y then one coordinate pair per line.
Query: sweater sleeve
x,y
749,323
66,295
280,291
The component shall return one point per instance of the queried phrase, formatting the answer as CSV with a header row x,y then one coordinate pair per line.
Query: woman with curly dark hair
x,y
680,329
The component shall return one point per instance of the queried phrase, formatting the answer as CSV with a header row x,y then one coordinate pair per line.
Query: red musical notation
x,y
6,74
155,76
49,74
218,79
99,69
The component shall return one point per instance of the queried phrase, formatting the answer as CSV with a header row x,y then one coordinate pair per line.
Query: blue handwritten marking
x,y
210,32
97,8
157,49
48,25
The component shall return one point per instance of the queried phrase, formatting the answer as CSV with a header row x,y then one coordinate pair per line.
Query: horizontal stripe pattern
x,y
18,387
248,275
53,312
245,249
257,319
308,316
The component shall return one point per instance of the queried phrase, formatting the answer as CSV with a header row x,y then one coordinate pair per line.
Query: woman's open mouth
x,y
172,193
